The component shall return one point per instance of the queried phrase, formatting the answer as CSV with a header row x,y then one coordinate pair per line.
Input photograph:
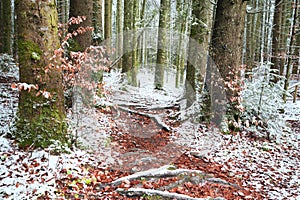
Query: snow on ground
x,y
269,167
28,175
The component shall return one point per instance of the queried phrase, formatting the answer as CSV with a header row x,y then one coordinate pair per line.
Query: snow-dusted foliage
x,y
8,67
262,100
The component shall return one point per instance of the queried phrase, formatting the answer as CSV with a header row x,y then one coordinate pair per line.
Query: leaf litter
x,y
236,166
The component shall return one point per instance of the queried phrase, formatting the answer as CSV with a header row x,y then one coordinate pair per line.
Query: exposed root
x,y
156,118
165,194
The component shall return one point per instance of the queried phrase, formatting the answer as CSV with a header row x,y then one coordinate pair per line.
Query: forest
x,y
149,99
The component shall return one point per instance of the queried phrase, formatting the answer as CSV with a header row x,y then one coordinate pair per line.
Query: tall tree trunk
x,y
41,120
226,49
127,48
135,56
107,19
5,27
119,21
182,9
198,48
289,46
81,8
283,36
97,22
162,57
276,38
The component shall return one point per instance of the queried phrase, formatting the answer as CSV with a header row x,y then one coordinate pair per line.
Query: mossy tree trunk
x,y
129,43
226,48
81,8
162,46
127,48
40,120
97,21
5,27
198,48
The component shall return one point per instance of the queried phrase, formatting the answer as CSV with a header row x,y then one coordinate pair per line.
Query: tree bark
x,y
198,48
5,27
226,48
40,120
289,46
276,37
127,53
119,21
107,19
97,22
162,56
81,8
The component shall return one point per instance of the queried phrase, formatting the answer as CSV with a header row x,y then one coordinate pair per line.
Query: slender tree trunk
x,y
276,37
97,22
182,9
135,55
290,44
107,19
143,50
41,120
162,56
119,21
127,48
5,27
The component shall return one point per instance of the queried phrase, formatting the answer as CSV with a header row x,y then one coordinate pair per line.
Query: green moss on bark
x,y
43,125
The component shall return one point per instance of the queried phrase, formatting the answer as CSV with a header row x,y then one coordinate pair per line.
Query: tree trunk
x,y
127,48
40,120
289,46
276,38
5,27
97,22
107,19
198,48
182,9
162,56
81,8
119,21
226,48
135,55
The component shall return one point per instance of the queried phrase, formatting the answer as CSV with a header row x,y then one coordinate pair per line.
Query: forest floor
x,y
140,144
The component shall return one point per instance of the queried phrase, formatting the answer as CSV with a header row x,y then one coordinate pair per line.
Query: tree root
x,y
156,118
165,194
164,171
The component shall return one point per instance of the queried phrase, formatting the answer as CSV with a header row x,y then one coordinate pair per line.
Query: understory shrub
x,y
263,103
